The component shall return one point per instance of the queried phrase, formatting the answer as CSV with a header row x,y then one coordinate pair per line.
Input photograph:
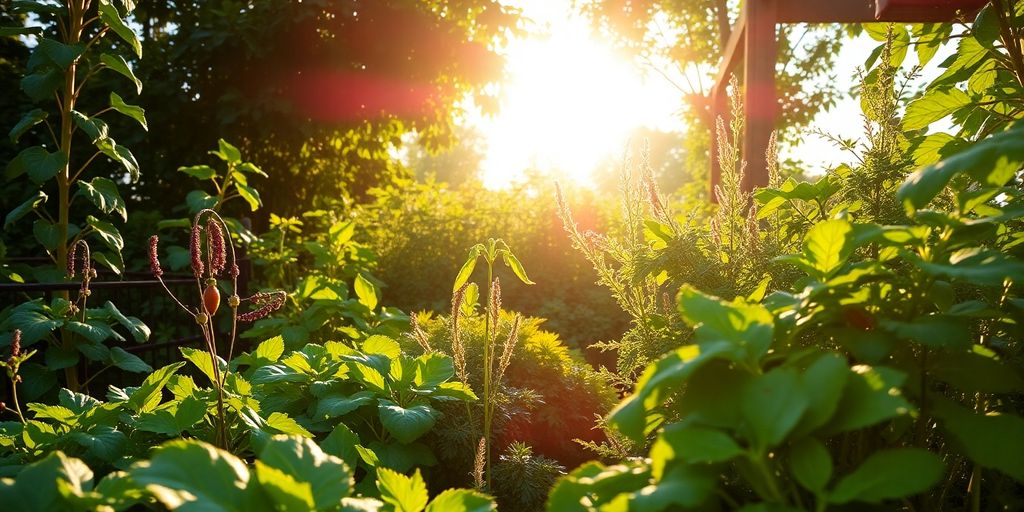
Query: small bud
x,y
234,301
201,318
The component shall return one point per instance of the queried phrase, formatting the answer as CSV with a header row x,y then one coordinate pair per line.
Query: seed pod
x,y
211,297
201,318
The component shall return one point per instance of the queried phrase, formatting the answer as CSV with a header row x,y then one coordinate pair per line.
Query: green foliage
x,y
290,473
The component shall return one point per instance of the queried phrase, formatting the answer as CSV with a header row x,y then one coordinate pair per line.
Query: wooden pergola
x,y
753,42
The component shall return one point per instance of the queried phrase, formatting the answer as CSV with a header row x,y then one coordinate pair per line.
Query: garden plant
x,y
841,339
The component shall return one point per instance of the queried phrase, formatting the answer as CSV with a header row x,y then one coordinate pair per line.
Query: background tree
x,y
683,41
319,93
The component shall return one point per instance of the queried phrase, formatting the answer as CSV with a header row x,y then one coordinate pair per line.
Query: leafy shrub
x,y
555,394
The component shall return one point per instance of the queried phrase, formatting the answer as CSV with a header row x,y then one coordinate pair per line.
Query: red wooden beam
x,y
760,105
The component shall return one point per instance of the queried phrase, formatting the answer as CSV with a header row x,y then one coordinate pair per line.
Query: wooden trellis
x,y
753,42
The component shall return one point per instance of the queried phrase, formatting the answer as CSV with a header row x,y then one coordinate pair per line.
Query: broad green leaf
x,y
33,322
976,372
117,64
366,291
406,424
975,265
871,395
103,193
932,148
811,464
38,163
994,440
270,349
285,491
328,477
94,127
889,474
147,396
659,380
201,359
333,405
828,245
251,169
432,369
285,424
127,361
453,391
49,52
517,268
342,444
461,500
823,383
250,195
24,208
937,331
691,445
102,442
133,111
227,152
933,106
114,262
30,119
198,200
140,331
992,161
201,172
37,486
772,404
47,234
119,154
404,493
682,486
40,85
174,420
107,233
93,331
746,326
194,476
383,345
467,269
112,18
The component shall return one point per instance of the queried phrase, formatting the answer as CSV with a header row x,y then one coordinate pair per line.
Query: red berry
x,y
211,298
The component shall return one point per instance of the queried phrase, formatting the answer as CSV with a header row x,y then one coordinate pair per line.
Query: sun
x,y
570,103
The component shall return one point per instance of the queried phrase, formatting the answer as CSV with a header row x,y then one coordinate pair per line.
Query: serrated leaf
x,y
147,396
461,500
104,194
117,64
433,369
404,493
933,106
30,119
328,477
406,424
285,424
192,475
133,111
366,291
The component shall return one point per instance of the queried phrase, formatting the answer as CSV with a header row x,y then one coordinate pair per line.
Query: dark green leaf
x,y
30,119
993,441
772,404
112,18
135,112
871,395
202,172
119,65
110,236
127,361
191,475
103,193
94,127
406,424
139,331
53,53
41,85
811,464
889,474
40,164
24,208
328,477
691,445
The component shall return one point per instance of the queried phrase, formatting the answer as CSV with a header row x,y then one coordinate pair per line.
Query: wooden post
x,y
761,104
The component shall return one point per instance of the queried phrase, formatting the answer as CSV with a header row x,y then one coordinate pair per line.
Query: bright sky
x,y
571,102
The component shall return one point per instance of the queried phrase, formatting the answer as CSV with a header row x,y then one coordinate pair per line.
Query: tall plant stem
x,y
76,12
488,389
